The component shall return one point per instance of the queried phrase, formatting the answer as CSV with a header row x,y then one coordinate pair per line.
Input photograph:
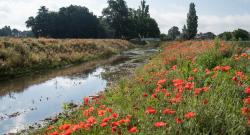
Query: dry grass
x,y
18,56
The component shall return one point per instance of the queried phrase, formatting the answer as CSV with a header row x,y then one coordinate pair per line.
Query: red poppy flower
x,y
104,124
176,99
225,68
151,110
101,112
145,94
190,78
122,121
197,91
50,127
245,110
179,121
243,55
161,82
133,130
235,78
109,110
208,72
103,106
86,100
115,115
114,129
76,127
64,127
167,94
205,89
91,120
160,124
55,133
247,90
106,119
217,68
189,85
169,111
164,90
174,67
91,109
190,115
247,100
240,74
115,124
154,95
86,113
178,82
68,132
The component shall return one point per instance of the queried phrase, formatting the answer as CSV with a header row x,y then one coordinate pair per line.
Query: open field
x,y
192,87
27,55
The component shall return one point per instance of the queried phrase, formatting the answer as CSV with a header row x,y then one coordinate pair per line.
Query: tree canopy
x,y
192,22
128,22
239,34
173,33
69,22
6,31
117,21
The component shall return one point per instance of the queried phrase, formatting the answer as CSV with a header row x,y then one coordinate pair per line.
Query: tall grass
x,y
18,56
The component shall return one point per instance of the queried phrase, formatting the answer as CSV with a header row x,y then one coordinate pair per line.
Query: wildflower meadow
x,y
191,87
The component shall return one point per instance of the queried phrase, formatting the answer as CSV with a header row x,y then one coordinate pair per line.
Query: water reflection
x,y
20,84
45,99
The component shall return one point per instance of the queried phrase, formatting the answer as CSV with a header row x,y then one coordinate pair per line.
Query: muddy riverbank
x,y
28,101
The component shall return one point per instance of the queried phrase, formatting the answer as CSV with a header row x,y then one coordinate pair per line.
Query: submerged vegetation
x,y
192,87
20,56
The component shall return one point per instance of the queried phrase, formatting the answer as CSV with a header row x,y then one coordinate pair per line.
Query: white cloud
x,y
219,24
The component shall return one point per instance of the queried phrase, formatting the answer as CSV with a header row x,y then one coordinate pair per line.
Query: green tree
x,y
147,26
5,31
173,33
39,24
117,15
192,22
241,34
226,36
184,34
69,22
163,37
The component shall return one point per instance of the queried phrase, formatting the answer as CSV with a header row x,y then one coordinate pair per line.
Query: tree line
x,y
6,31
117,21
236,35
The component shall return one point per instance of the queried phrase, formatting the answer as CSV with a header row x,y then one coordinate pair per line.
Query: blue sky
x,y
214,15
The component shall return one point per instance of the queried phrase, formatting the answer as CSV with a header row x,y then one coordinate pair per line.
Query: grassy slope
x,y
19,56
192,79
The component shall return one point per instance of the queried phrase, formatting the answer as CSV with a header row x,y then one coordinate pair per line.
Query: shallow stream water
x,y
29,100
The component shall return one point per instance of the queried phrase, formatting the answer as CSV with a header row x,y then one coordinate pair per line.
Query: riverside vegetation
x,y
19,56
192,87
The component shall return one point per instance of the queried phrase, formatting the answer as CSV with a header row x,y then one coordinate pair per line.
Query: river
x,y
29,100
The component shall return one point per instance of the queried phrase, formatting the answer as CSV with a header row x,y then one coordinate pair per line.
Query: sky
x,y
214,15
